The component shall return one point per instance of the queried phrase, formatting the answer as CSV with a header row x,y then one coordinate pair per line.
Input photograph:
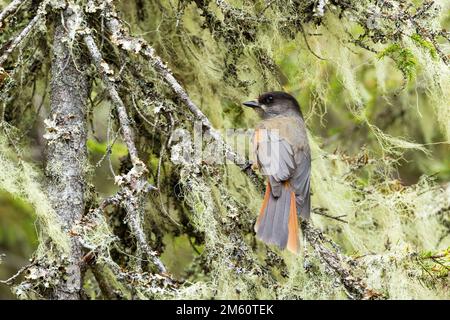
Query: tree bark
x,y
66,147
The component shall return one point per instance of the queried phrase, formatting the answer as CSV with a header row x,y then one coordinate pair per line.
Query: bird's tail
x,y
277,222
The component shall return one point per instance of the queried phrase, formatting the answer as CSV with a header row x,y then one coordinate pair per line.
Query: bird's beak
x,y
251,104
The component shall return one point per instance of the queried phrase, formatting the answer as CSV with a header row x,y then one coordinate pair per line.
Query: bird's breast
x,y
292,129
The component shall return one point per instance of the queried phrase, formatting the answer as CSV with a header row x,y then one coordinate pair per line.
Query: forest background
x,y
373,81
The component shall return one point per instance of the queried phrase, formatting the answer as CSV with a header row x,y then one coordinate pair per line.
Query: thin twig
x,y
355,287
440,263
18,40
11,8
425,268
322,213
307,43
10,280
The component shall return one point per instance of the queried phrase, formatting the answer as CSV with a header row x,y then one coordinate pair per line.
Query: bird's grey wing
x,y
301,182
275,158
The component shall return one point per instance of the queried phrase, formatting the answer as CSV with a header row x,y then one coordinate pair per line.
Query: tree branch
x,y
133,184
106,73
11,279
120,36
322,212
18,40
11,8
355,287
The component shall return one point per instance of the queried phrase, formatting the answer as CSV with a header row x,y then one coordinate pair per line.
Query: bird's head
x,y
277,103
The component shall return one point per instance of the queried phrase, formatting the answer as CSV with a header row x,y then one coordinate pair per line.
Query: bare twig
x,y
322,212
105,286
106,73
11,279
302,30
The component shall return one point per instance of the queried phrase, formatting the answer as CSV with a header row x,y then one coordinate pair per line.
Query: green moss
x,y
425,44
403,57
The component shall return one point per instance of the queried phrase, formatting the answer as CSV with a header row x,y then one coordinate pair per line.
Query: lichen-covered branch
x,y
10,9
106,73
134,45
356,288
66,146
134,184
19,38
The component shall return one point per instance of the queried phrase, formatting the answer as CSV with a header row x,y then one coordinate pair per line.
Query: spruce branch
x,y
133,184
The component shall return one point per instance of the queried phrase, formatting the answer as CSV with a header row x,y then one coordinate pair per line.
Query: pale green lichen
x,y
21,179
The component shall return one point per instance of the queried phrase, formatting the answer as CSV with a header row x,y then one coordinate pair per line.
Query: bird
x,y
282,153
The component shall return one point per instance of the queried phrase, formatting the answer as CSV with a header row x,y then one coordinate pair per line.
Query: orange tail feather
x,y
293,243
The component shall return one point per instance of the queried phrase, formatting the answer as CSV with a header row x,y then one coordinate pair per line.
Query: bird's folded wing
x,y
301,183
275,157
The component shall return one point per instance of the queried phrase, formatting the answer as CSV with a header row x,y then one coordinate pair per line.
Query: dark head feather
x,y
279,98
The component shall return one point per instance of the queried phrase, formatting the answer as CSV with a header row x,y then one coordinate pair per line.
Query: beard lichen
x,y
224,52
23,180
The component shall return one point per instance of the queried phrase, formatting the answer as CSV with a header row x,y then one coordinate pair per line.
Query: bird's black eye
x,y
269,99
